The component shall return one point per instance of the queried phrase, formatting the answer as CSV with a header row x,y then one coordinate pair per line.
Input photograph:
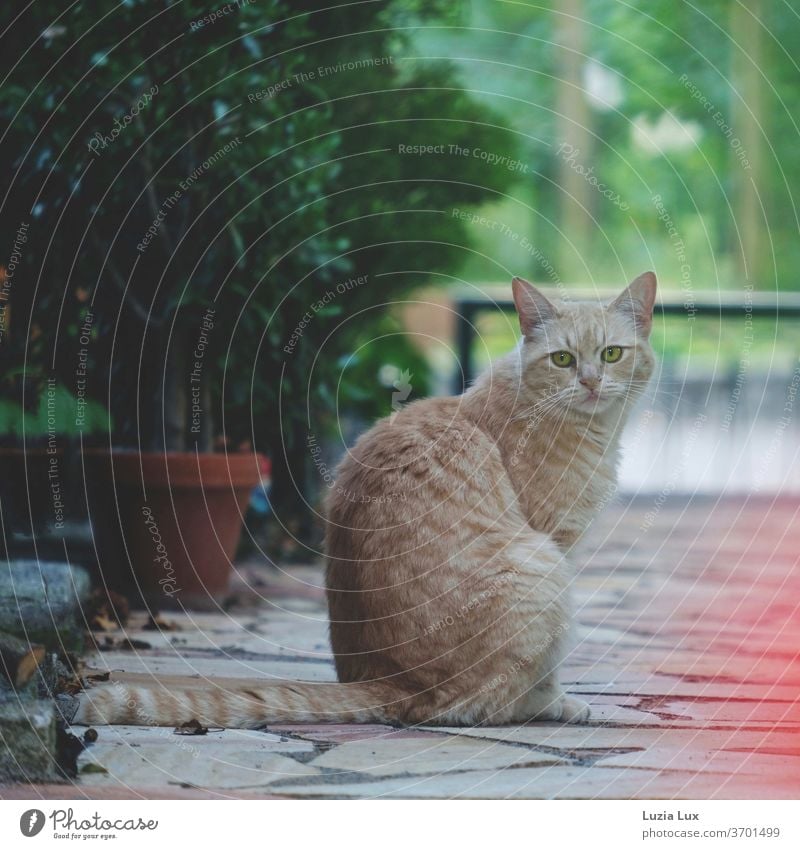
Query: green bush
x,y
168,164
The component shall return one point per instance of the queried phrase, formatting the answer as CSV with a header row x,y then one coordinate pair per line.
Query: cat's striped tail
x,y
132,699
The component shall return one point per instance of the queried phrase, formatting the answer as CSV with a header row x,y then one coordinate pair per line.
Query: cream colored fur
x,y
450,540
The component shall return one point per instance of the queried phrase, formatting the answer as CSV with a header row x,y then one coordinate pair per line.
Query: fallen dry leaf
x,y
158,623
88,769
106,610
193,728
122,644
133,645
71,686
98,676
101,622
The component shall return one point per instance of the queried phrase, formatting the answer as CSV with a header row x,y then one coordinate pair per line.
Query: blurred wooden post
x,y
573,142
748,113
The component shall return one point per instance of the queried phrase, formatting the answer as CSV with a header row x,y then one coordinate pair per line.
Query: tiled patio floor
x,y
688,651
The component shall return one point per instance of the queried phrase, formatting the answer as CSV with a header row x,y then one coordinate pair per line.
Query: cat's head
x,y
585,358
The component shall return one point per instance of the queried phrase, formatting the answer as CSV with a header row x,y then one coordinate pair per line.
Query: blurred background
x,y
257,226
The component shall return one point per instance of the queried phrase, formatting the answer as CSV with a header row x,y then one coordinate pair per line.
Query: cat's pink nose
x,y
589,380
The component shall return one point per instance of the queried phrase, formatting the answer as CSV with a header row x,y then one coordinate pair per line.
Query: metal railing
x,y
706,305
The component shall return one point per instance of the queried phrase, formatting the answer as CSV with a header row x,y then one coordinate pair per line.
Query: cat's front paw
x,y
574,710
560,707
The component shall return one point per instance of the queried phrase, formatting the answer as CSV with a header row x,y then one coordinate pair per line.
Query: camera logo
x,y
31,822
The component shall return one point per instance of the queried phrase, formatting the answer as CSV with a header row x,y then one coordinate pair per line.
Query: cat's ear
x,y
532,306
637,301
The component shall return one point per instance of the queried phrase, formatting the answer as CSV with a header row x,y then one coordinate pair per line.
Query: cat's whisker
x,y
542,405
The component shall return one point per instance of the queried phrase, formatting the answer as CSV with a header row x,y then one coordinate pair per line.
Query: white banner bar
x,y
385,824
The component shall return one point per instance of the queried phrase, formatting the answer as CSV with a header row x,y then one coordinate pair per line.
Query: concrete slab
x,y
683,649
423,756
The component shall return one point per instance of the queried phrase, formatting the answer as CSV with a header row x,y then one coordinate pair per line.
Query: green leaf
x,y
93,769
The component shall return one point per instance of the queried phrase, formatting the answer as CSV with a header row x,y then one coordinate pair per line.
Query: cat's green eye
x,y
562,359
611,354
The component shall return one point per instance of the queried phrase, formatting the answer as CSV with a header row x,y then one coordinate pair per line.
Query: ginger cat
x,y
448,541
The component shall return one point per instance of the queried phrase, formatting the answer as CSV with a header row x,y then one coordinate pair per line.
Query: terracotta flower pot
x,y
32,489
167,525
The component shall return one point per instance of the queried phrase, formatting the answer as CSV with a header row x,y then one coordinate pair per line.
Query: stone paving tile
x,y
331,734
429,756
69,791
166,765
142,736
230,759
606,738
756,670
277,633
687,647
701,760
677,688
747,712
548,782
677,712
216,667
